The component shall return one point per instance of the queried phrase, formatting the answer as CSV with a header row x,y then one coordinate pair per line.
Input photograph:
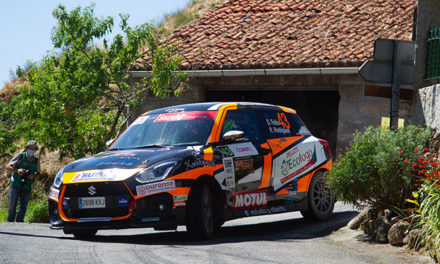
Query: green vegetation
x,y
426,215
37,211
430,220
372,171
77,95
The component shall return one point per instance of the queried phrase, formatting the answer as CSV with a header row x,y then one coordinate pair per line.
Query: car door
x,y
293,154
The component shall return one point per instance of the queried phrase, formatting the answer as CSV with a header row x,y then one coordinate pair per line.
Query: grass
x,y
183,17
430,221
37,211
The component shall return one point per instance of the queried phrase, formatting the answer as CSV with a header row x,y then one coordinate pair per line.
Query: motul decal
x,y
246,200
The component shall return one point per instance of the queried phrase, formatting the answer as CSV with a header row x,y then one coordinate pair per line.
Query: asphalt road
x,y
282,238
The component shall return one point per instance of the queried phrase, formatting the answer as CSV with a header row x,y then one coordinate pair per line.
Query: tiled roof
x,y
245,34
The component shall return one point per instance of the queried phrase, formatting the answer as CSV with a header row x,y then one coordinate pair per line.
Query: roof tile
x,y
289,33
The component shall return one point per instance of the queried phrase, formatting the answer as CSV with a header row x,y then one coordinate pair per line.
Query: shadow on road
x,y
294,229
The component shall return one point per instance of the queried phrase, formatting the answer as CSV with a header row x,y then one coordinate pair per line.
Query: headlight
x,y
58,179
156,172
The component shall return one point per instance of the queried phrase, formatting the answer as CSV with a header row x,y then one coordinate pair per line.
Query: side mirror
x,y
108,143
234,136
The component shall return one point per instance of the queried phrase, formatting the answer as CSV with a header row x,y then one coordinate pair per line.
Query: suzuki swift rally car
x,y
197,165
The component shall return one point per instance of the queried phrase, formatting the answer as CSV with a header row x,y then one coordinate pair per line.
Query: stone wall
x,y
427,17
430,98
356,111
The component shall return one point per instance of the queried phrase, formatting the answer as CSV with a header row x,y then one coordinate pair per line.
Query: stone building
x,y
299,53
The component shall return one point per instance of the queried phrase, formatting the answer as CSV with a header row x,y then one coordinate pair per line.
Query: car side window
x,y
276,124
242,120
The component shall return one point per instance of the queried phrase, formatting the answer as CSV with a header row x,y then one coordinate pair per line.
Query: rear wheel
x,y
199,215
321,200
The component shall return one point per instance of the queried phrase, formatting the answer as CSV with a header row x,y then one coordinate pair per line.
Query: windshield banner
x,y
199,115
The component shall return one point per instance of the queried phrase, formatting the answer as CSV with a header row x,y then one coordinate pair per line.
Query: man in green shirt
x,y
24,168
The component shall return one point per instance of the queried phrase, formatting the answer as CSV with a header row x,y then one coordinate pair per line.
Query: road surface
x,y
282,238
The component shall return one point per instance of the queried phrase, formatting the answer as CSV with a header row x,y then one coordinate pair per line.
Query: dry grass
x,y
195,9
9,90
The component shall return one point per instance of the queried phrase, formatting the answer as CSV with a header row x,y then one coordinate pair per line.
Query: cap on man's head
x,y
32,143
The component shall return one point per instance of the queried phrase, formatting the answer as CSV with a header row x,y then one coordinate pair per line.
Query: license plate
x,y
91,202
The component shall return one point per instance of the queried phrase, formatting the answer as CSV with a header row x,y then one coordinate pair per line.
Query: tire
x,y
83,234
321,200
200,213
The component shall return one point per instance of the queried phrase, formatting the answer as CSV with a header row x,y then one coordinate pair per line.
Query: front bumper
x,y
157,210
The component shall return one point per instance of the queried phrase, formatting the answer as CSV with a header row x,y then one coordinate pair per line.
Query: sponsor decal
x,y
123,201
140,120
180,198
180,116
198,164
292,152
250,199
54,193
157,187
94,219
179,204
279,124
297,164
243,149
263,211
228,165
175,110
103,175
65,203
122,162
245,164
226,151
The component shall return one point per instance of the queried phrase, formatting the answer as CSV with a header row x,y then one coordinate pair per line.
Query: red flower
x,y
400,152
406,160
416,184
416,150
414,165
426,149
420,166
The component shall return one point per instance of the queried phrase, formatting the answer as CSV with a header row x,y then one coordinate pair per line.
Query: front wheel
x,y
199,216
321,200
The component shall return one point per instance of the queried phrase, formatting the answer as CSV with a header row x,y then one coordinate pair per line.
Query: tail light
x,y
326,146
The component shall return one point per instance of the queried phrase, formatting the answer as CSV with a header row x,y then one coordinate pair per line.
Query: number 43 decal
x,y
282,119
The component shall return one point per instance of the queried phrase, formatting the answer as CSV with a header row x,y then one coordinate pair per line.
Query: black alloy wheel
x,y
321,200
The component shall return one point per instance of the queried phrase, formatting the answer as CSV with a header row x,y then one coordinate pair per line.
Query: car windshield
x,y
168,129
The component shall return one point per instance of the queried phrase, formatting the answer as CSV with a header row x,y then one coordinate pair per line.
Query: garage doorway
x,y
318,109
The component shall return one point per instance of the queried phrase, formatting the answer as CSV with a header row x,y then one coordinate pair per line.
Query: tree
x,y
79,92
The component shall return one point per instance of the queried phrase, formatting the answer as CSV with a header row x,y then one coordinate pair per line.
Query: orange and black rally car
x,y
197,165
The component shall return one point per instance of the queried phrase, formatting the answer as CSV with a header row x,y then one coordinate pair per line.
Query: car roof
x,y
214,106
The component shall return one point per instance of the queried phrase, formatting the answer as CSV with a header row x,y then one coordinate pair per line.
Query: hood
x,y
119,165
